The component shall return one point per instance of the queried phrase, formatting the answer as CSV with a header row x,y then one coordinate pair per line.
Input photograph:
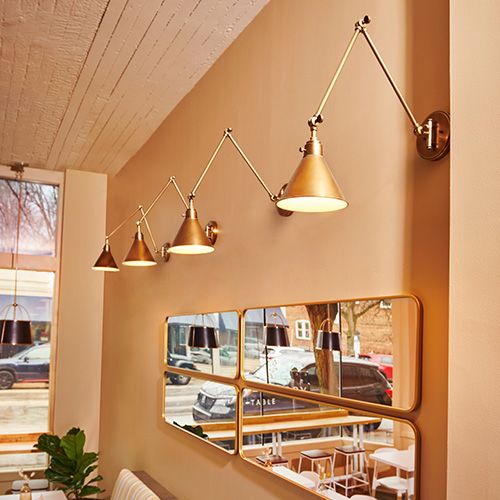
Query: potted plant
x,y
70,466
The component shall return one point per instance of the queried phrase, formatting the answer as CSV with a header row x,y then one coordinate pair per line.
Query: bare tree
x,y
38,218
328,377
351,313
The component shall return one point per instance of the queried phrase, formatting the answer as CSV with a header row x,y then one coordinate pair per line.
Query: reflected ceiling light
x,y
203,336
328,339
312,187
276,335
16,331
139,254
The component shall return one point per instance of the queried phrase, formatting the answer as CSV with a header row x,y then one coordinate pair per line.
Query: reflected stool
x,y
351,480
316,456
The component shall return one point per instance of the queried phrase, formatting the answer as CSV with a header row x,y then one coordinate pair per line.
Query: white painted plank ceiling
x,y
84,83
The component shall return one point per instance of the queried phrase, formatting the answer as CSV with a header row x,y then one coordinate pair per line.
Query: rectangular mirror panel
x,y
369,349
206,409
334,452
220,361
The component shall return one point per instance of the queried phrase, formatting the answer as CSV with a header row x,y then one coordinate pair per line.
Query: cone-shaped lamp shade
x,y
16,332
191,239
203,336
139,254
312,187
105,262
276,335
328,340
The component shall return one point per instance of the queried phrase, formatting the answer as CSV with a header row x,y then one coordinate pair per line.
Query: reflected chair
x,y
353,477
395,483
316,457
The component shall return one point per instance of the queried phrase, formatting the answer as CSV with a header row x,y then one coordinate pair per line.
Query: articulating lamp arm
x,y
228,135
144,219
123,222
432,134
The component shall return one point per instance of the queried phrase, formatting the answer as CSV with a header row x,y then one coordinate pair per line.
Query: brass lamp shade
x,y
16,332
191,239
276,335
139,254
328,340
105,262
312,187
203,336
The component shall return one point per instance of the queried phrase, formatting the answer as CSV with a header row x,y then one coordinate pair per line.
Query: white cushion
x,y
35,484
129,487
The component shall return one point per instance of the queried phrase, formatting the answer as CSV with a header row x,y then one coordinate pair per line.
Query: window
x,y
25,371
303,329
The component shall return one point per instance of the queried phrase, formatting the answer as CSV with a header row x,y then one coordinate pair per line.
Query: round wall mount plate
x,y
441,140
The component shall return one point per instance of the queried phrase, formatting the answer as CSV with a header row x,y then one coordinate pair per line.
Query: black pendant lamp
x,y
328,339
203,336
16,331
277,335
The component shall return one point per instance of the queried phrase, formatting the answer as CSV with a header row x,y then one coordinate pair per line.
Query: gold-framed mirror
x,y
204,409
220,359
362,350
329,450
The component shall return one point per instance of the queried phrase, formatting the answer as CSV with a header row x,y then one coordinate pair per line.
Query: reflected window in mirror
x,y
371,356
220,361
204,409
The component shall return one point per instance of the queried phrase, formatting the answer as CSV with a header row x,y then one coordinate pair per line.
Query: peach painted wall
x,y
392,239
474,394
79,335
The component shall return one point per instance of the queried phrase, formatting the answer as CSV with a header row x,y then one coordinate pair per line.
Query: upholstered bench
x,y
138,485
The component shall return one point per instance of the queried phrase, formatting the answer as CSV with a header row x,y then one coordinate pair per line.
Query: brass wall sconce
x,y
139,254
191,239
312,187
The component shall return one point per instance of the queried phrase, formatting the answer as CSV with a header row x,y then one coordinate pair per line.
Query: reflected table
x,y
400,460
278,428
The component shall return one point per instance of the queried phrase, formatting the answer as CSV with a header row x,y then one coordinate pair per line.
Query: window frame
x,y
304,326
18,443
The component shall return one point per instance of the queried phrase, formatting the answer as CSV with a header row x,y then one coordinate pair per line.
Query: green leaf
x,y
73,445
90,490
48,443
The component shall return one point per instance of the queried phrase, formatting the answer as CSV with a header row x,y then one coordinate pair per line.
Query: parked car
x,y
274,352
179,361
28,365
201,355
361,380
384,362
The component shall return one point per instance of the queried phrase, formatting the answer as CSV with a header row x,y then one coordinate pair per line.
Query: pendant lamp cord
x,y
19,179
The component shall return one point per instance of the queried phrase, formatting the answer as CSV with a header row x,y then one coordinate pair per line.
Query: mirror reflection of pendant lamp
x,y
203,336
16,331
327,338
276,335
